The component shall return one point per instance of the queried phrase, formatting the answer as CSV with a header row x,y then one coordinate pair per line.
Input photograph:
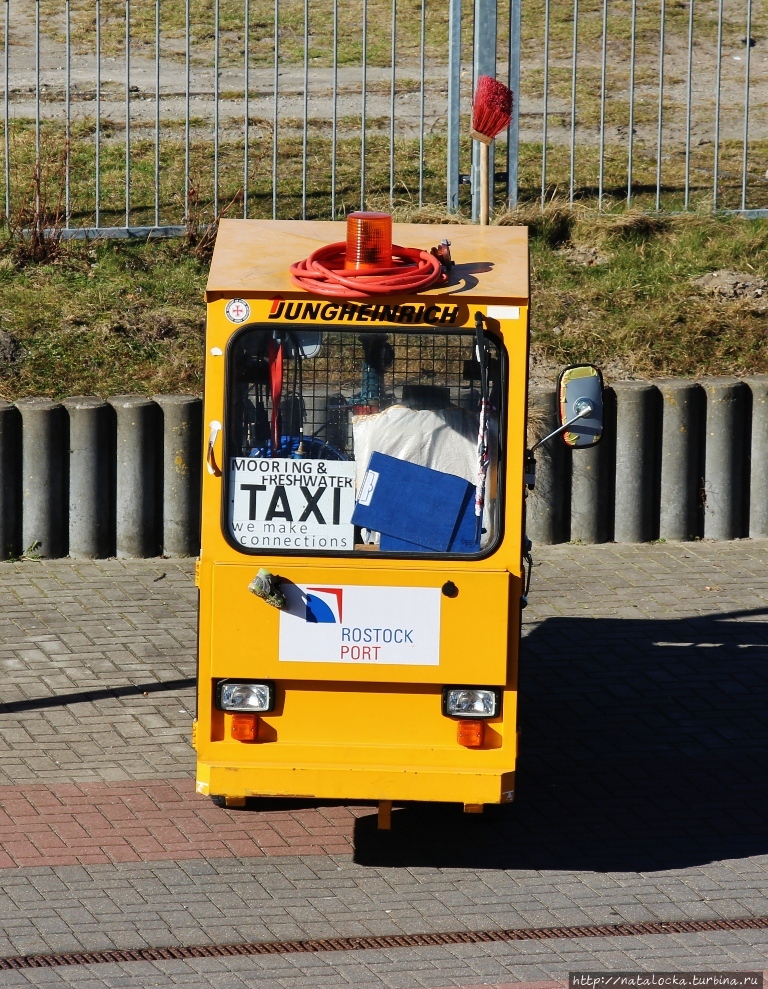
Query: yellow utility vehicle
x,y
362,568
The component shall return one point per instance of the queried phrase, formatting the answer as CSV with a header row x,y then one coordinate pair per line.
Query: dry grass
x,y
640,313
96,319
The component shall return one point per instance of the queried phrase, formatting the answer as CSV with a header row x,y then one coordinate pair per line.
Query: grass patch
x,y
639,313
262,20
98,320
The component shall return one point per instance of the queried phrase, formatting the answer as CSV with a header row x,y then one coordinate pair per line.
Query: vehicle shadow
x,y
643,748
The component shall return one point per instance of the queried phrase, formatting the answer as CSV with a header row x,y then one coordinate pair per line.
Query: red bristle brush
x,y
491,113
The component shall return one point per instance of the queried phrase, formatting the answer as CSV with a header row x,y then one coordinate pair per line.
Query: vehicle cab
x,y
361,569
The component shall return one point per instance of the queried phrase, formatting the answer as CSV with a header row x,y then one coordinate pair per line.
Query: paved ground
x,y
641,791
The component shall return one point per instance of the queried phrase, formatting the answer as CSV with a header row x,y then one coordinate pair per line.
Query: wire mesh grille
x,y
329,377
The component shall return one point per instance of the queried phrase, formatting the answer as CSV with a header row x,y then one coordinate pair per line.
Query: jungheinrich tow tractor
x,y
362,567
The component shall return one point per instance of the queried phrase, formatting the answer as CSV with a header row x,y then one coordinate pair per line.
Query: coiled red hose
x,y
323,273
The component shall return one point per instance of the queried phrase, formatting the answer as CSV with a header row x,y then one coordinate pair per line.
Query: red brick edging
x,y
101,823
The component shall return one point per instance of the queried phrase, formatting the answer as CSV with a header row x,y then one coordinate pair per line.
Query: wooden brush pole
x,y
485,184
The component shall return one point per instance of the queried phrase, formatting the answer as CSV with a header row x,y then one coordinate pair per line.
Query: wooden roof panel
x,y
253,256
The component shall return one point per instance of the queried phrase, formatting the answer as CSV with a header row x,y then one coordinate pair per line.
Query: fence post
x,y
758,474
546,516
485,65
182,459
10,480
513,81
90,477
137,478
636,420
724,457
681,458
44,476
454,105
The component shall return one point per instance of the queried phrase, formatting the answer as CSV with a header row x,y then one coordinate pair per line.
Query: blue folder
x,y
418,509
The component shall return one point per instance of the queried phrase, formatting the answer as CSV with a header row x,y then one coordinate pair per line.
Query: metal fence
x,y
139,116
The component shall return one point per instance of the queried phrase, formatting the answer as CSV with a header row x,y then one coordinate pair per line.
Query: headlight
x,y
471,702
249,697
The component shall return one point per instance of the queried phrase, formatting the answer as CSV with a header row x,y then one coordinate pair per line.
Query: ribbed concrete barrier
x,y
691,462
182,438
10,480
138,477
90,477
45,438
679,460
682,458
758,460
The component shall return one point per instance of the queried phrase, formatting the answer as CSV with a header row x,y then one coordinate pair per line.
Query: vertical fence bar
x,y
688,107
7,109
306,110
246,104
718,85
484,54
662,40
127,113
603,73
545,108
97,137
454,106
574,63
38,177
157,113
513,132
631,135
334,111
216,20
187,80
745,150
363,104
392,94
275,90
37,87
422,107
68,114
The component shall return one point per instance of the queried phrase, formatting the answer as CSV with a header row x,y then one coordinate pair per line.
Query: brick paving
x,y
641,789
96,823
79,630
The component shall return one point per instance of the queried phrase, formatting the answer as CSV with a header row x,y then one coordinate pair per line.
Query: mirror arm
x,y
585,412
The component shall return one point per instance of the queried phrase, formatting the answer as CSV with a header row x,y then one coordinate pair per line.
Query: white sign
x,y
237,310
279,503
369,626
503,312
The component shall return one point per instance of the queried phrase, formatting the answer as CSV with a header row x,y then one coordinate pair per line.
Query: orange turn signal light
x,y
245,727
369,240
470,734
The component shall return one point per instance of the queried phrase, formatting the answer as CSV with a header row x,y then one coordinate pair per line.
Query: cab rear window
x,y
340,442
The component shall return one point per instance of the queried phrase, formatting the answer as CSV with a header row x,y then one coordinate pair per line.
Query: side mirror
x,y
580,405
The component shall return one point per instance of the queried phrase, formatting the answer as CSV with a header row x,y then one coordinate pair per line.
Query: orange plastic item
x,y
369,240
369,264
245,727
470,734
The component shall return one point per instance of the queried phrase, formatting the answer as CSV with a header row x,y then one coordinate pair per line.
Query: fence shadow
x,y
643,748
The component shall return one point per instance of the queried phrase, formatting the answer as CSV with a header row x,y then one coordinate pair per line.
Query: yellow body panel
x,y
245,628
357,731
